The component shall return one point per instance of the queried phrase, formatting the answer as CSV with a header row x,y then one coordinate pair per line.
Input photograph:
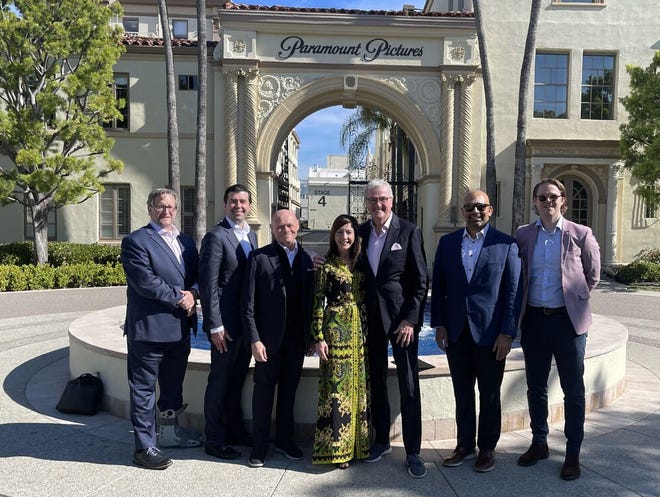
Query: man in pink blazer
x,y
561,266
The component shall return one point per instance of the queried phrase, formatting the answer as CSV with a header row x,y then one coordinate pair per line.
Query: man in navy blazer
x,y
475,304
276,307
222,261
396,283
161,273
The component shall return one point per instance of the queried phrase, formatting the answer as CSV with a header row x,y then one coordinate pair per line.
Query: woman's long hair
x,y
354,251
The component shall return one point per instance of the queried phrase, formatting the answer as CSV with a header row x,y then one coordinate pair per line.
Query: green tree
x,y
640,137
56,60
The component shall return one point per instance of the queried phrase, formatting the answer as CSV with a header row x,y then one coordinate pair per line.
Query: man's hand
x,y
441,338
187,302
405,333
502,346
318,261
220,340
322,350
259,352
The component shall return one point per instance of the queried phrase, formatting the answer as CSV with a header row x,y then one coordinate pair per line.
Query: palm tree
x,y
199,217
173,170
520,169
358,131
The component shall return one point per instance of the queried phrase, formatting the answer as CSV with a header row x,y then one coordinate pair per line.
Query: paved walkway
x,y
45,453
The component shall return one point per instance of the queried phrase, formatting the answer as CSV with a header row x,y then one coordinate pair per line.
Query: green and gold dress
x,y
342,429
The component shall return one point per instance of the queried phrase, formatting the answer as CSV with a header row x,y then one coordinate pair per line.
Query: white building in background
x,y
327,192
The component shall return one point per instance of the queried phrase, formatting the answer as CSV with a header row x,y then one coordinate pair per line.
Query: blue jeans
x,y
544,336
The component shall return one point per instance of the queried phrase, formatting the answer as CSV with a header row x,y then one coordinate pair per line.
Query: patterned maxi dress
x,y
342,429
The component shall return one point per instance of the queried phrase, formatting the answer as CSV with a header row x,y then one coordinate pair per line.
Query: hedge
x,y
639,271
60,253
30,277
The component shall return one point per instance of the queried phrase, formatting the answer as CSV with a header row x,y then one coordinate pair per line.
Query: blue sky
x,y
319,132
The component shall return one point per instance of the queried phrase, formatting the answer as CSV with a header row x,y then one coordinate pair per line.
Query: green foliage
x,y
640,137
61,253
650,255
56,70
31,277
639,271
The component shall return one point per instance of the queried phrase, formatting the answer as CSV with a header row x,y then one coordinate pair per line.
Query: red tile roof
x,y
324,10
149,41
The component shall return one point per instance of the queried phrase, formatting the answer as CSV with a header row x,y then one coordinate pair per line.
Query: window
x,y
550,85
598,86
187,210
115,212
456,5
120,86
28,231
187,82
578,1
180,29
131,25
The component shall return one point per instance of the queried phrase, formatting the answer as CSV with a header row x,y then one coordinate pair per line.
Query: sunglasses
x,y
551,198
479,207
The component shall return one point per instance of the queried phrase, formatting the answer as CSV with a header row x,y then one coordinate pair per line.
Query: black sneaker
x,y
416,467
226,452
151,458
377,451
290,451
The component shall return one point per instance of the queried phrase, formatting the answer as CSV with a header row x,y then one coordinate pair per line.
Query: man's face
x,y
237,206
285,228
379,204
163,211
548,201
476,211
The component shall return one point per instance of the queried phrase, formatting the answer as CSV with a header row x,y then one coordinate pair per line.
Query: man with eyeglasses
x,y
161,274
396,283
475,304
561,267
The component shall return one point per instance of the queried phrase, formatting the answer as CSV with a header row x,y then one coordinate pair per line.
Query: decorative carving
x,y
457,53
274,88
425,92
616,170
239,46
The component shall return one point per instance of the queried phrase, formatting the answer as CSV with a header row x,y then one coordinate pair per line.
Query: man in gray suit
x,y
223,256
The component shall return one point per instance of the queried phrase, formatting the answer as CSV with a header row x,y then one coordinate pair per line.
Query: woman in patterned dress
x,y
342,429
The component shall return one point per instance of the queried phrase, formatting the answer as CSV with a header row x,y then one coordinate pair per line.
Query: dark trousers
x,y
545,336
222,400
283,369
470,363
407,372
148,363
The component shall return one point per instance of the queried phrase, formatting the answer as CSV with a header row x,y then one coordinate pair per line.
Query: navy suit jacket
x,y
490,302
155,278
264,298
221,266
399,289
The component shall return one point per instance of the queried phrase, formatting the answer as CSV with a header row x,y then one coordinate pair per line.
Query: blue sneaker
x,y
377,451
416,467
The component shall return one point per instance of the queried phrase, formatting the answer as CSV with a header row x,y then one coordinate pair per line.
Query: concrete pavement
x,y
46,453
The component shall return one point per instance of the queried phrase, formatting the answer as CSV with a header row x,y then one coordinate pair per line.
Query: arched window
x,y
578,201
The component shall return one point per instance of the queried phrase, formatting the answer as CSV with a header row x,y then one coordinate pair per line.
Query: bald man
x,y
276,306
475,304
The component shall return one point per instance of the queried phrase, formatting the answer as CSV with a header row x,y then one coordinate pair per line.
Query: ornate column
x,y
614,177
231,126
249,161
464,149
447,146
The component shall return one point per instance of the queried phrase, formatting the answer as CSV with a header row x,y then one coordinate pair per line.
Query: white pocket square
x,y
396,246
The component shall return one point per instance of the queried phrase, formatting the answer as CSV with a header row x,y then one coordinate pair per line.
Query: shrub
x,y
60,253
650,255
639,271
30,277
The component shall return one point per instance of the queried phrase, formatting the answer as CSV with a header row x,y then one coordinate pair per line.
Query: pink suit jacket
x,y
580,268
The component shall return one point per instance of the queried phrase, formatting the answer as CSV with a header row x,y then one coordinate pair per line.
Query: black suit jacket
x,y
264,299
222,263
399,289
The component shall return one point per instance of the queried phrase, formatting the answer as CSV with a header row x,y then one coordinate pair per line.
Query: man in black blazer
x,y
276,307
161,273
396,284
222,261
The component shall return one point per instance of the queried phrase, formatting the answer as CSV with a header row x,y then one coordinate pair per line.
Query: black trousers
x,y
407,371
468,363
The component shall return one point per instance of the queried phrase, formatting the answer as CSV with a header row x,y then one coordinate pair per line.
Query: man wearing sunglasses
x,y
561,266
475,304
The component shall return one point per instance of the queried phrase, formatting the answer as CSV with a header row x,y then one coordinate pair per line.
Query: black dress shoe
x,y
151,458
459,456
571,468
485,461
536,452
226,452
242,439
290,451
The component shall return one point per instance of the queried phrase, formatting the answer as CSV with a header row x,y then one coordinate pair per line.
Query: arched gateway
x,y
275,66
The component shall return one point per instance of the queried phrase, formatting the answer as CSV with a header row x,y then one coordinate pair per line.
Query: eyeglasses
x,y
479,207
161,208
551,198
375,200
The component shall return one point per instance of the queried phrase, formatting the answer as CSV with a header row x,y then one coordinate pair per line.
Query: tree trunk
x,y
39,210
173,170
491,170
199,218
520,170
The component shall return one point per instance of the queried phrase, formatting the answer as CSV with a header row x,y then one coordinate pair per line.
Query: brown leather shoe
x,y
571,468
485,462
536,452
459,456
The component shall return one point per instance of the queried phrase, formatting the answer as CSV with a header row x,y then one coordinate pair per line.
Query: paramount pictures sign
x,y
370,51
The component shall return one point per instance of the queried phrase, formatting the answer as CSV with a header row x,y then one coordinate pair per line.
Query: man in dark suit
x,y
161,272
276,307
222,260
396,283
475,308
